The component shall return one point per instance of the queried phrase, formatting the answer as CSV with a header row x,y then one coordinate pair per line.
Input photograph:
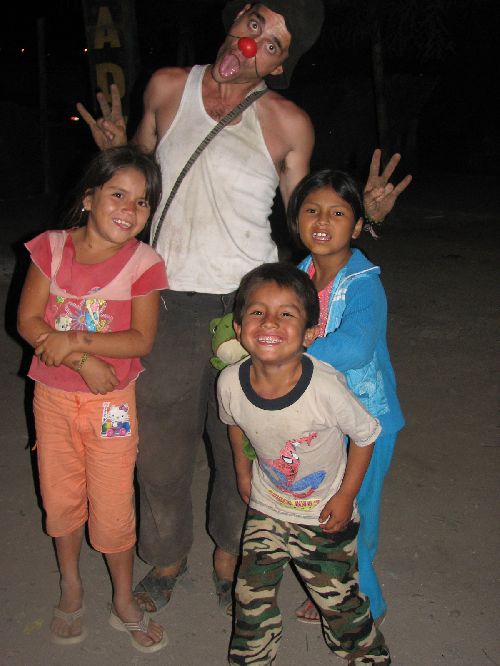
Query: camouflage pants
x,y
327,565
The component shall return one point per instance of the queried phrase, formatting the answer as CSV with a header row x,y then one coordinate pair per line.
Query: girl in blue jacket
x,y
324,213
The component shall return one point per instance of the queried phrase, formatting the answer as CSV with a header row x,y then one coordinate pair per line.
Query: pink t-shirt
x,y
92,297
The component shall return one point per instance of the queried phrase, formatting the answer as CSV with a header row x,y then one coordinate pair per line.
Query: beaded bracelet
x,y
371,221
85,356
372,226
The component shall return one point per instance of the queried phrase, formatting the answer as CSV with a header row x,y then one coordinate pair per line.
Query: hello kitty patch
x,y
88,314
115,420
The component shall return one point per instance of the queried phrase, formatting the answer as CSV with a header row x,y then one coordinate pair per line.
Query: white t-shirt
x,y
217,227
299,438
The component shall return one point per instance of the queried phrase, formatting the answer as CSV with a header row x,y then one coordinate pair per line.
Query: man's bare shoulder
x,y
163,94
168,79
161,100
283,112
288,124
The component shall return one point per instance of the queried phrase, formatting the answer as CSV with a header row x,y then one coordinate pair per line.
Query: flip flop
x,y
306,620
224,591
142,626
158,588
69,619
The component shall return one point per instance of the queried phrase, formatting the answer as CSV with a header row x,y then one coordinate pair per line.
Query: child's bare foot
x,y
307,612
145,634
66,626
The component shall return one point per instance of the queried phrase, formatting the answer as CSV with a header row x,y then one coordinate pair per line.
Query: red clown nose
x,y
247,46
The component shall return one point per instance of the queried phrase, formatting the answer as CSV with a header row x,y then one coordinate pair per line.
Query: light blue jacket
x,y
355,340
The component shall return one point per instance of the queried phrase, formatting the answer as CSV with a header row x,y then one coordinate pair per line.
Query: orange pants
x,y
87,447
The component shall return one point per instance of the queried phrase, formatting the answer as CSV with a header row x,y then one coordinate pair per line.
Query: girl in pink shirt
x,y
89,308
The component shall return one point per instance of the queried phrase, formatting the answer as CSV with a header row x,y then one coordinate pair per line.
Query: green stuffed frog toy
x,y
227,350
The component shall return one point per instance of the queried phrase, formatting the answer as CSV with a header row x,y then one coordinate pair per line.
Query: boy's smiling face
x,y
274,328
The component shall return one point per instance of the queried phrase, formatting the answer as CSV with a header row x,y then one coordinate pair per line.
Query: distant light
x,y
23,50
74,119
85,50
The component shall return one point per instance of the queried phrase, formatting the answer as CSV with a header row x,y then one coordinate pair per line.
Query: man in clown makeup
x,y
215,231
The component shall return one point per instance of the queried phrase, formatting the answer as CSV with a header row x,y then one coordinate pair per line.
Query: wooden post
x,y
111,31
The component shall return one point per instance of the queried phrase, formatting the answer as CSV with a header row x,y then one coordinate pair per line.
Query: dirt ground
x,y
438,556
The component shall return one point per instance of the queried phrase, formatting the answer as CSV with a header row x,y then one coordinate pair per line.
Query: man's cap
x,y
303,18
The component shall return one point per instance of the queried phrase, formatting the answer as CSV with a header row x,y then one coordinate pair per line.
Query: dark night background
x,y
440,67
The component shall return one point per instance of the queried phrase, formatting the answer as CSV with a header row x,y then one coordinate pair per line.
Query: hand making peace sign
x,y
379,196
111,129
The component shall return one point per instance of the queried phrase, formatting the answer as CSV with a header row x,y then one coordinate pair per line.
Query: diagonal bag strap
x,y
220,125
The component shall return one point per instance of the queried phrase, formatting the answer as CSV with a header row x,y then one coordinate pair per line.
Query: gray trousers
x,y
176,402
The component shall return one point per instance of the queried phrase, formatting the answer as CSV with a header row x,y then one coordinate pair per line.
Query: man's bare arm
x,y
295,165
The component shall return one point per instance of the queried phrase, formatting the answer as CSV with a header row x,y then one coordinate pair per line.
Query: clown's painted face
x,y
236,62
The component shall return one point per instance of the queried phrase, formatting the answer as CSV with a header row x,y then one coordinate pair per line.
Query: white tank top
x,y
217,226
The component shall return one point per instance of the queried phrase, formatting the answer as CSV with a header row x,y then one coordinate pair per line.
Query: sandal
x,y
224,591
304,606
69,619
143,626
157,588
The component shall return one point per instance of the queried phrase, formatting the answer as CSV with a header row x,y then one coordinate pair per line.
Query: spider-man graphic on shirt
x,y
283,471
